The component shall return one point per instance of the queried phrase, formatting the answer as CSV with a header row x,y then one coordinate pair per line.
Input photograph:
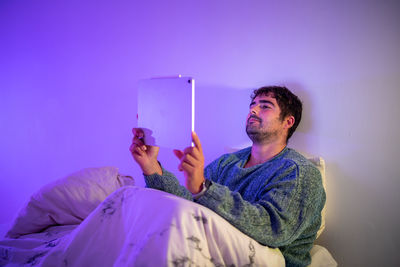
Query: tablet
x,y
166,111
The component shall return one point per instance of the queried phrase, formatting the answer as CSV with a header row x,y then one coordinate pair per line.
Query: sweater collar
x,y
246,157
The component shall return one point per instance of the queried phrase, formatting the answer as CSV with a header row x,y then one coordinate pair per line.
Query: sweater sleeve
x,y
167,182
282,211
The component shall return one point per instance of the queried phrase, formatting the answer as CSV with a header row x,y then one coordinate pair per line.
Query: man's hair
x,y
288,102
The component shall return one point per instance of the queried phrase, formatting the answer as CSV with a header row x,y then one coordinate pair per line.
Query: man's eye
x,y
264,106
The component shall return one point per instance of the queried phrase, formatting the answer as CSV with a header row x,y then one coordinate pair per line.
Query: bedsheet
x,y
137,226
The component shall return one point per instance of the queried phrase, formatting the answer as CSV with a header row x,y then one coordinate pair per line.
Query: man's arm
x,y
167,182
284,210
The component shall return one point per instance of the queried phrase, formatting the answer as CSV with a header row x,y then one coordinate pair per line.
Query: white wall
x,y
68,76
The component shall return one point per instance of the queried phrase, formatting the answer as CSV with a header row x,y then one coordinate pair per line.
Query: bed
x,y
86,219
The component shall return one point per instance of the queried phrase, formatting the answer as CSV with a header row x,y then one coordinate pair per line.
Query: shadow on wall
x,y
306,124
302,139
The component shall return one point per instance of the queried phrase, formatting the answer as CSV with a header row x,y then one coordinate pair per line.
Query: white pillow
x,y
320,164
68,200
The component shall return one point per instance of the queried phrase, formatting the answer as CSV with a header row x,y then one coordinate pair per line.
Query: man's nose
x,y
254,110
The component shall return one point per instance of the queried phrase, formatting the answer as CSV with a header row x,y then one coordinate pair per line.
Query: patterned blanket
x,y
137,226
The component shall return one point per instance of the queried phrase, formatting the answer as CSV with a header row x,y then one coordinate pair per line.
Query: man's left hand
x,y
192,165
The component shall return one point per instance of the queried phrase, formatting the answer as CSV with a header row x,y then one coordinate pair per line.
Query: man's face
x,y
263,124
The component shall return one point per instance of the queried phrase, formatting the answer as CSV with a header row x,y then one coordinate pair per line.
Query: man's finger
x,y
133,148
196,142
139,143
138,138
139,150
186,167
179,154
138,131
188,150
190,160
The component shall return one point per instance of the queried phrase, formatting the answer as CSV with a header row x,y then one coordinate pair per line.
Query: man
x,y
268,191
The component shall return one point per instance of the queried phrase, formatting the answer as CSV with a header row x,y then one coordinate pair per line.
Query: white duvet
x,y
73,223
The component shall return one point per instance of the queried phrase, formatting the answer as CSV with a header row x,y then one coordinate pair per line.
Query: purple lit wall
x,y
68,75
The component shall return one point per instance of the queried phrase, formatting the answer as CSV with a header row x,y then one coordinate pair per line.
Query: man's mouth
x,y
253,119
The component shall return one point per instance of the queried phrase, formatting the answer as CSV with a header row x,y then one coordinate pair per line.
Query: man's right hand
x,y
145,156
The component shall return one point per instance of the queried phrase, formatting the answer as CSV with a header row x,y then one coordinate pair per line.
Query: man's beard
x,y
257,134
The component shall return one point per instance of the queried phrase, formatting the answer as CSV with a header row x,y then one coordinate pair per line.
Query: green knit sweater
x,y
277,203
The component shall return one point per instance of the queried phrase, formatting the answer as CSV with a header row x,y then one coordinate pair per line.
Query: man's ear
x,y
289,122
